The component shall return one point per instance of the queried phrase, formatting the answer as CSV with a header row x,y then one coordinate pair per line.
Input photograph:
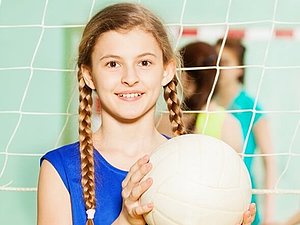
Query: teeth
x,y
131,95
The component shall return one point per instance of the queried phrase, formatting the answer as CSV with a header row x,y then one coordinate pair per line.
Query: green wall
x,y
38,98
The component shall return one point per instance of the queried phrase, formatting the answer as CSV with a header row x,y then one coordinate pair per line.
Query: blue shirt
x,y
108,179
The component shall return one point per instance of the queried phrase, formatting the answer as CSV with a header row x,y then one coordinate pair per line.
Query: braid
x,y
173,104
86,145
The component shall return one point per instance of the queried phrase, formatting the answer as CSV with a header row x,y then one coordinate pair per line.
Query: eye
x,y
112,64
145,63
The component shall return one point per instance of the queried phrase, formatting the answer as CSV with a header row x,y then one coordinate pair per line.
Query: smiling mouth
x,y
130,95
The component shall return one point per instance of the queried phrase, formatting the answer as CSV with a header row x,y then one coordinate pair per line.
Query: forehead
x,y
127,43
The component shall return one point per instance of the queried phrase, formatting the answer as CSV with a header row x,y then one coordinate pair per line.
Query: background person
x,y
233,96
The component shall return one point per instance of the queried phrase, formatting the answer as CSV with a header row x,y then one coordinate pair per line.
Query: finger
x,y
252,212
138,211
241,221
248,218
135,179
252,209
138,190
249,215
138,175
135,167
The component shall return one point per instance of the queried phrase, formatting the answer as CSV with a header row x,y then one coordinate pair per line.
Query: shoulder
x,y
66,151
64,160
245,101
244,97
231,123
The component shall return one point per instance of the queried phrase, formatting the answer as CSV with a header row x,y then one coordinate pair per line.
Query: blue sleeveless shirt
x,y
108,179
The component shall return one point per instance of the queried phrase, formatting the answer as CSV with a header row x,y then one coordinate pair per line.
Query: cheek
x,y
224,74
227,76
154,86
105,81
234,74
152,78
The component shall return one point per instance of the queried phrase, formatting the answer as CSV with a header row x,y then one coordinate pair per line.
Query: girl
x,y
197,86
232,95
125,56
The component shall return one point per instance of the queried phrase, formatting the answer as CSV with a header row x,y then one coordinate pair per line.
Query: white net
x,y
38,103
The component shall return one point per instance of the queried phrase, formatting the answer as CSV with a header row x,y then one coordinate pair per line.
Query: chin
x,y
129,119
133,116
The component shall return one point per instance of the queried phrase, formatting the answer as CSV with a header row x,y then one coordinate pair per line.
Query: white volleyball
x,y
197,180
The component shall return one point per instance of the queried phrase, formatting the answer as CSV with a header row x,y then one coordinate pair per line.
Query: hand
x,y
249,215
133,187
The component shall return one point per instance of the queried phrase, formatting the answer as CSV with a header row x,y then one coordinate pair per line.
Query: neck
x,y
213,105
133,139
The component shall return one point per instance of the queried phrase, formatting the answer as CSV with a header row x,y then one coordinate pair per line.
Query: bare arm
x,y
54,205
263,138
294,220
232,133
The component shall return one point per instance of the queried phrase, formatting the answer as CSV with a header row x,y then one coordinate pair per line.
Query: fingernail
x,y
149,180
146,158
150,205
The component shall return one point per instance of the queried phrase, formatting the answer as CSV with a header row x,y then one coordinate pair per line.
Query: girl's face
x,y
128,73
228,76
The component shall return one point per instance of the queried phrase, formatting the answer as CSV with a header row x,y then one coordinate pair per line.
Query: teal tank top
x,y
244,102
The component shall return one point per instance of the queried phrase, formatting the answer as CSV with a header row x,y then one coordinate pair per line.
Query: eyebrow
x,y
119,57
109,56
147,54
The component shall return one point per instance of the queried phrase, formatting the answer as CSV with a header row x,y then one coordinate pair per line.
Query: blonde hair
x,y
122,16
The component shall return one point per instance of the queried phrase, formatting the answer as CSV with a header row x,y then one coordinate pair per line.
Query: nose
x,y
130,76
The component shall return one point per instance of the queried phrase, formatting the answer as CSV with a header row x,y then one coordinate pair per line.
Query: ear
x,y
169,73
86,73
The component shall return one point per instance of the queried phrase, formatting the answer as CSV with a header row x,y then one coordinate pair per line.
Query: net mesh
x,y
38,106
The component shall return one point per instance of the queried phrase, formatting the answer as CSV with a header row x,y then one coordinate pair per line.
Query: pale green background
x,y
25,62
